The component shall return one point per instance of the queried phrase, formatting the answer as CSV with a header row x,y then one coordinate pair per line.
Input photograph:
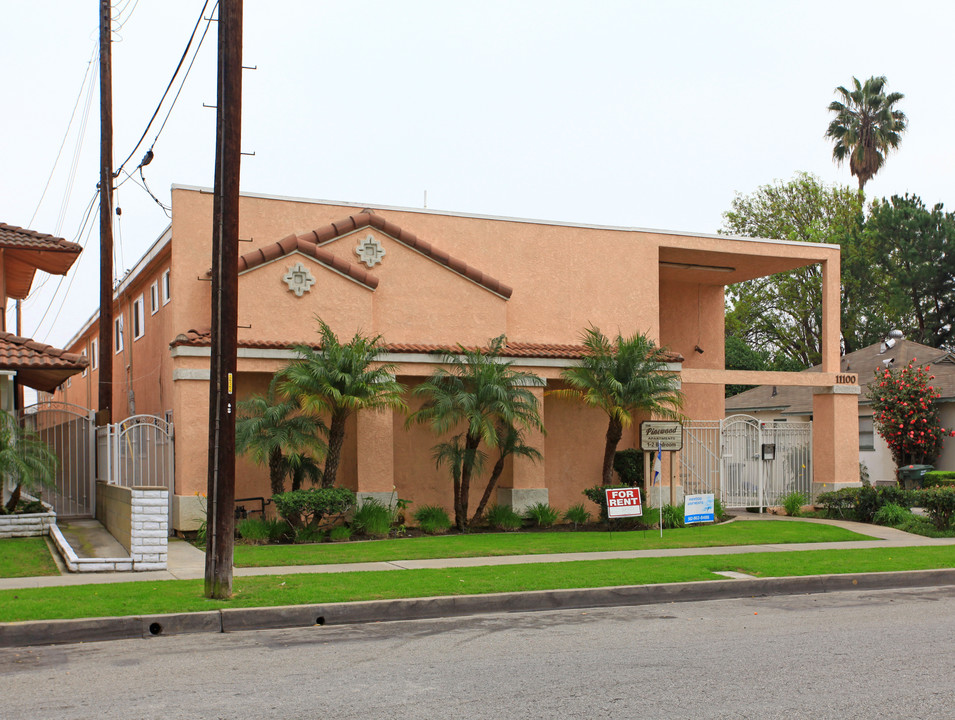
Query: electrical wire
x,y
166,92
66,134
74,165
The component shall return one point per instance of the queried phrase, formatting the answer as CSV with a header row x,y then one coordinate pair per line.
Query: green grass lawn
x,y
26,557
538,543
136,598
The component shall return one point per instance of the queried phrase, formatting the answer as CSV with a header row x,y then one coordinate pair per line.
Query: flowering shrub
x,y
906,415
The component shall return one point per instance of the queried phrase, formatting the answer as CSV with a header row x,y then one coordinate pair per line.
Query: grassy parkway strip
x,y
169,596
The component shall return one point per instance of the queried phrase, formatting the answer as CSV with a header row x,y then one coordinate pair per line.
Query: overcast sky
x,y
640,114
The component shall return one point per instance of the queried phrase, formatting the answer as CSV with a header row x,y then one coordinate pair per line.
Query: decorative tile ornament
x,y
299,279
370,251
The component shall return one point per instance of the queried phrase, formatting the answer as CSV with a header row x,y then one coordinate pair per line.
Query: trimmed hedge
x,y
941,478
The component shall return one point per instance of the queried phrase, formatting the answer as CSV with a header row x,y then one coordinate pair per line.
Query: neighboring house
x,y
426,281
794,404
25,362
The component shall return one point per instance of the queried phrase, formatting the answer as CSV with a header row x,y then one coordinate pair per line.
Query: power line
x,y
168,87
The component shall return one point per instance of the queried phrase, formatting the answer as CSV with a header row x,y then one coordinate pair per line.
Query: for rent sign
x,y
661,434
623,502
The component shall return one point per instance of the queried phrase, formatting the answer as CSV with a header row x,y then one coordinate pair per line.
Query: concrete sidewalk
x,y
186,562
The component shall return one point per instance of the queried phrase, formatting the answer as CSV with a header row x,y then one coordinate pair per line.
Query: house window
x,y
154,298
69,382
94,354
118,333
866,434
139,317
86,370
166,291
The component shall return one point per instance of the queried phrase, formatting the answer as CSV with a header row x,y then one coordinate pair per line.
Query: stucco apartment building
x,y
426,281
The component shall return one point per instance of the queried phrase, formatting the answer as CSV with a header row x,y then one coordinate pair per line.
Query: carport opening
x,y
155,628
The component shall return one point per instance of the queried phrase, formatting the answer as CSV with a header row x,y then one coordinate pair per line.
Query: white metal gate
x,y
137,451
68,430
747,462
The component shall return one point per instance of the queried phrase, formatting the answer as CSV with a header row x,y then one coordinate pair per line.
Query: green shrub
x,y
577,514
503,517
372,518
432,519
942,478
314,506
309,534
628,464
792,503
339,533
939,502
838,503
718,510
542,514
672,516
891,515
253,529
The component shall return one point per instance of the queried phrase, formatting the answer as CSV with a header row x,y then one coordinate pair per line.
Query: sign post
x,y
660,435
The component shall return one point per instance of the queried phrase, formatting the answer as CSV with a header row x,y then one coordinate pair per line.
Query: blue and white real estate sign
x,y
698,508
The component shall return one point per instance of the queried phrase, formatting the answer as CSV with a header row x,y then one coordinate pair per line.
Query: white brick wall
x,y
26,525
150,529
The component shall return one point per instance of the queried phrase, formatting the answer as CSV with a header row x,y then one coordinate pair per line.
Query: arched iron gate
x,y
727,458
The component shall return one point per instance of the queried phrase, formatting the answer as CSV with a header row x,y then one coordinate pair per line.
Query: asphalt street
x,y
853,654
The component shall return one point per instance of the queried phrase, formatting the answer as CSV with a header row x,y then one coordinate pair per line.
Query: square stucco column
x,y
376,455
835,437
528,484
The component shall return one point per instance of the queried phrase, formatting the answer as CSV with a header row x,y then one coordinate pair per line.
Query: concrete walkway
x,y
186,562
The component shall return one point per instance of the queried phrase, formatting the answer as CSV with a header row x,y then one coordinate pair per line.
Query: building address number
x,y
847,379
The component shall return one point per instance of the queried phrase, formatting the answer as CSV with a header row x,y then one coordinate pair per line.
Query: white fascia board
x,y
504,218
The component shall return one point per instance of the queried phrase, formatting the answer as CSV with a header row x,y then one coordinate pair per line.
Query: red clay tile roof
x,y
26,251
309,242
39,366
197,338
306,247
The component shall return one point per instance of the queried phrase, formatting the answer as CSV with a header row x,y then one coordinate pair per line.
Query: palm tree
x,y
866,126
340,379
277,433
25,458
483,392
510,442
622,377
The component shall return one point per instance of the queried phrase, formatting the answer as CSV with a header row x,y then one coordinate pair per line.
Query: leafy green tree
x,y
906,415
481,391
275,432
780,315
739,356
913,248
339,380
25,459
622,377
866,126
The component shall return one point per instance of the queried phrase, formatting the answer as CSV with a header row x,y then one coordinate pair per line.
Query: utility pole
x,y
225,291
103,417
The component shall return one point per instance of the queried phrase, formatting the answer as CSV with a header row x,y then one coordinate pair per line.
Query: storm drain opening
x,y
155,628
320,620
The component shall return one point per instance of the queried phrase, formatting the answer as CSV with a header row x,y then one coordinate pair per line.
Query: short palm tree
x,y
25,459
482,392
340,379
867,125
275,432
622,377
510,443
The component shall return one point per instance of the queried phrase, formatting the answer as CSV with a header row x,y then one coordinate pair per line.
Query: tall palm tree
x,y
483,392
275,432
340,379
622,377
867,125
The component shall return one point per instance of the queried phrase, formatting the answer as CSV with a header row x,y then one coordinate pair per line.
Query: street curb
x,y
53,632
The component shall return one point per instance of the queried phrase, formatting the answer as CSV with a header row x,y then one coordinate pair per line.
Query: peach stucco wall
x,y
564,279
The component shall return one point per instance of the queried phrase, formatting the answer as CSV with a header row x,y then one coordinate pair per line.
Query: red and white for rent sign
x,y
623,502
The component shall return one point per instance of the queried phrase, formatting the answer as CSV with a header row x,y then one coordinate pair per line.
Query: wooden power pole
x,y
225,291
105,216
